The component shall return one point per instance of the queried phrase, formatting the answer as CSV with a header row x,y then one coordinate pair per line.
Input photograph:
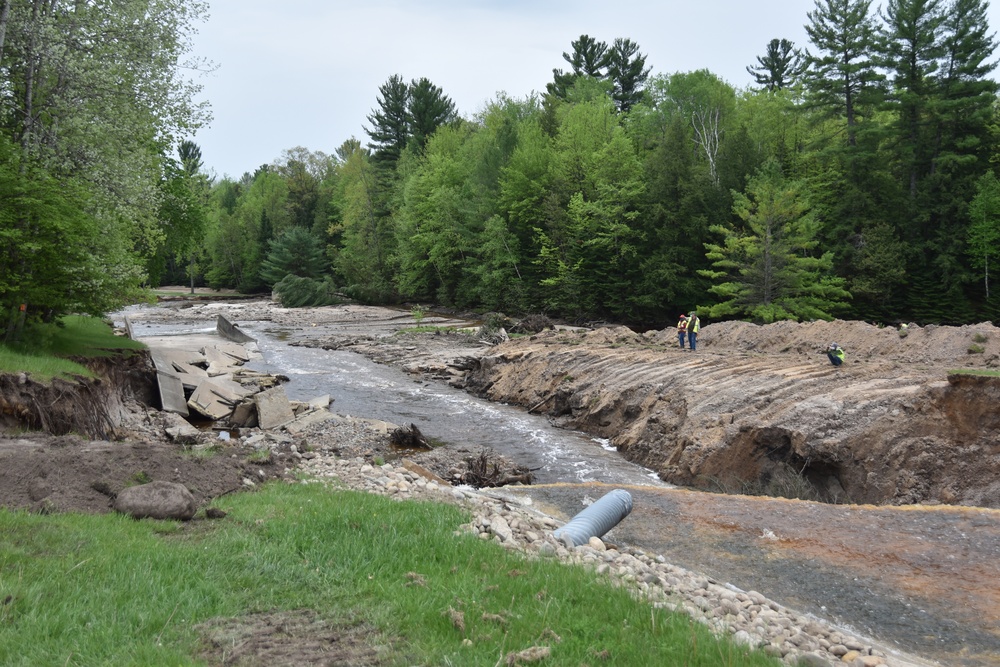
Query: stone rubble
x,y
510,521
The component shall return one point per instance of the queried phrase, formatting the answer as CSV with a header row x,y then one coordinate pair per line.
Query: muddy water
x,y
362,388
922,580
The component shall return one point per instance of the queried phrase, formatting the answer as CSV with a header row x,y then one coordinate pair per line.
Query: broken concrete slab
x,y
212,400
231,386
273,408
237,352
298,426
231,331
320,402
180,430
190,369
171,393
244,414
166,358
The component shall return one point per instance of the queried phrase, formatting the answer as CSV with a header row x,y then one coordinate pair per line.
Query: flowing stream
x,y
362,388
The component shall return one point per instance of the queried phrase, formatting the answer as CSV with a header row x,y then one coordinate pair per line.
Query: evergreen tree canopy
x,y
589,58
768,269
841,78
390,123
778,67
429,109
627,70
296,252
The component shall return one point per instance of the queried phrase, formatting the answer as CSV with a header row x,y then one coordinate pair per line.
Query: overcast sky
x,y
307,72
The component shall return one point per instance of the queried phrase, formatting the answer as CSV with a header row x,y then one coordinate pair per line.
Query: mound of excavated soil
x,y
974,345
760,409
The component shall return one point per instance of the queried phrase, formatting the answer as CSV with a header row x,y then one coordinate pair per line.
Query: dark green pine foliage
x,y
190,154
628,72
589,58
911,46
780,65
296,252
841,78
390,122
429,109
938,58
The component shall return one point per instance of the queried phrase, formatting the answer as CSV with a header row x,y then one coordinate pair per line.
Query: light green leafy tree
x,y
768,268
48,247
96,93
594,261
984,232
365,250
433,238
706,103
238,241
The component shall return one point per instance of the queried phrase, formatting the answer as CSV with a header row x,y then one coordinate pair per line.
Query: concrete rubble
x,y
209,382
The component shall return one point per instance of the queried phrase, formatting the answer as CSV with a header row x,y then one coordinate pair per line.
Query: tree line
x,y
854,178
93,103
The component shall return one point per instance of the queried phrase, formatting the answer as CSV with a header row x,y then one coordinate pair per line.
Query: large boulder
x,y
156,500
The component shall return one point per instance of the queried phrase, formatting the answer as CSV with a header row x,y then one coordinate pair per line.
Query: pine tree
x,y
841,77
390,123
429,109
778,67
770,270
296,252
589,58
628,72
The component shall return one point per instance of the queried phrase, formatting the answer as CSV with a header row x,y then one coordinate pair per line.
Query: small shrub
x,y
980,338
141,477
532,324
298,292
975,348
493,322
260,456
417,314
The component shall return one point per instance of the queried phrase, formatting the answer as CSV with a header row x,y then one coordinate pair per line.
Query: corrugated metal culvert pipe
x,y
596,520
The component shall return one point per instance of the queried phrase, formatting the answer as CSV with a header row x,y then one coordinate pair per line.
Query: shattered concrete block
x,y
273,408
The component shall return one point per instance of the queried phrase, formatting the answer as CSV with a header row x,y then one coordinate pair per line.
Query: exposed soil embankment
x,y
759,408
96,407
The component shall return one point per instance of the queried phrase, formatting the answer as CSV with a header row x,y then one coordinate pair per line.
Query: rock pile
x,y
509,520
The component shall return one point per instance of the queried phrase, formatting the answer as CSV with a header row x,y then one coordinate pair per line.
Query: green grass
x,y
974,371
105,590
47,351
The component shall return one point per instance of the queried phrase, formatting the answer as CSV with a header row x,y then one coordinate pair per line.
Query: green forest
x,y
855,178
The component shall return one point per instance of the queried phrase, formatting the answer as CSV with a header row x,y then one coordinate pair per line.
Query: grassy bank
x,y
393,581
48,351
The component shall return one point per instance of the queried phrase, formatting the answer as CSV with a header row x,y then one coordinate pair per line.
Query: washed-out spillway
x,y
920,579
362,388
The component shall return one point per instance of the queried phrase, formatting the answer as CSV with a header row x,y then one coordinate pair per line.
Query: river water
x,y
362,388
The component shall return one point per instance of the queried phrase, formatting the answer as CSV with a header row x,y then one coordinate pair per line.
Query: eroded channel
x,y
921,579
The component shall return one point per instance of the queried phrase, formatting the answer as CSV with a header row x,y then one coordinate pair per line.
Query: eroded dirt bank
x,y
759,408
